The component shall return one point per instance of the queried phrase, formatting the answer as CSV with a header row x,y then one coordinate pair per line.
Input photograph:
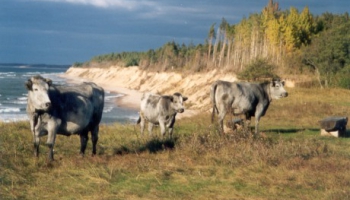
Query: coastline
x,y
133,82
130,98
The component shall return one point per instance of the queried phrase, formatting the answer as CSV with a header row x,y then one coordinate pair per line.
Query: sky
x,y
68,31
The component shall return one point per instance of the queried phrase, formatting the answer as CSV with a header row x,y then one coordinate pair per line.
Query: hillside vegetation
x,y
294,42
290,161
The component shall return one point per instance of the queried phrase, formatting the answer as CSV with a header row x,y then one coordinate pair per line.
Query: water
x,y
13,94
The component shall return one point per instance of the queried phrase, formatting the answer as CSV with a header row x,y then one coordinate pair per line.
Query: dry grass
x,y
291,161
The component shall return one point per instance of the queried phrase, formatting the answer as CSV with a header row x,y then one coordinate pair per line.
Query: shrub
x,y
258,69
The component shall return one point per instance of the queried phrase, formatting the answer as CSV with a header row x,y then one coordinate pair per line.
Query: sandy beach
x,y
131,98
133,82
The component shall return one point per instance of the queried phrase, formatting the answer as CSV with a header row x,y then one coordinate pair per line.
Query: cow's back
x,y
149,107
224,91
249,97
77,107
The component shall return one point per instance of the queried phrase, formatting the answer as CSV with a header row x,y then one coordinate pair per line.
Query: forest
x,y
274,42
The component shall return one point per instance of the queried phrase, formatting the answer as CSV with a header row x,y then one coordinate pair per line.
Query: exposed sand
x,y
131,98
133,82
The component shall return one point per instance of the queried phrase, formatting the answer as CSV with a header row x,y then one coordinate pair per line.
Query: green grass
x,y
289,161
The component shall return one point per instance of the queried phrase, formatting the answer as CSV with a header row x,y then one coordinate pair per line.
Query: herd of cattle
x,y
66,110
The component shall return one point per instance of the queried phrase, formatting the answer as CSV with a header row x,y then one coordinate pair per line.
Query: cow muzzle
x,y
46,106
181,110
284,94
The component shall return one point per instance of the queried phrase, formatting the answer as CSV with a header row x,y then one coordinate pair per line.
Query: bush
x,y
131,62
258,69
343,78
78,64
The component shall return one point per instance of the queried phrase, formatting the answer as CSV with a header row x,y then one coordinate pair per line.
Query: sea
x,y
13,94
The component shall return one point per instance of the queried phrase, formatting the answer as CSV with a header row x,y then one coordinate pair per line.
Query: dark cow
x,y
250,99
57,109
160,110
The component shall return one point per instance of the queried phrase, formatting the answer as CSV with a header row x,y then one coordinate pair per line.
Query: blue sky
x,y
68,31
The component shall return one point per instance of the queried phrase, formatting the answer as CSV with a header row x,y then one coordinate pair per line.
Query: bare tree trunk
x,y
228,56
222,52
209,48
216,47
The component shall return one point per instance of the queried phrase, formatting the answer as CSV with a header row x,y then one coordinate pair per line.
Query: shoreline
x,y
130,98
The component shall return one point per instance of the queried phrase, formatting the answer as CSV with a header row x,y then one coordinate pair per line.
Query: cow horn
x,y
29,84
48,81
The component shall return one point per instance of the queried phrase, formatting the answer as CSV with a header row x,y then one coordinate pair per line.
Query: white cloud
x,y
123,4
143,8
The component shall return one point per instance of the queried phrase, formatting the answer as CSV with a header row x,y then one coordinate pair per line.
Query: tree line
x,y
271,42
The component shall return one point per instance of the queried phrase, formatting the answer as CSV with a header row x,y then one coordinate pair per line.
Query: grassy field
x,y
289,161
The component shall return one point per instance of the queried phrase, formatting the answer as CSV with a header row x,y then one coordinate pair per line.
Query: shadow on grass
x,y
152,146
294,131
290,130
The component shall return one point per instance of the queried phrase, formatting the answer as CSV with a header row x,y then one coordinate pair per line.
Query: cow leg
x,y
162,128
36,145
171,127
94,138
36,139
247,122
50,144
142,125
221,117
51,137
258,114
257,119
256,126
150,127
50,156
83,142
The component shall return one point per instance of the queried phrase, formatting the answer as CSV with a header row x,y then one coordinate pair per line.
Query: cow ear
x,y
283,82
48,81
171,98
184,98
29,84
273,83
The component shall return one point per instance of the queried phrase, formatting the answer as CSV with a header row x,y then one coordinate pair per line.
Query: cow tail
x,y
212,96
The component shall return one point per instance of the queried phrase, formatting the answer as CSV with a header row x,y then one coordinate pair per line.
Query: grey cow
x,y
251,99
160,110
57,109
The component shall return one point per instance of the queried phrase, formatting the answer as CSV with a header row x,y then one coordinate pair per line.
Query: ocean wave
x,y
18,102
107,109
9,110
113,96
134,117
7,74
22,98
29,74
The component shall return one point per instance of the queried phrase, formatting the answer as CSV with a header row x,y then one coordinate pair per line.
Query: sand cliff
x,y
132,82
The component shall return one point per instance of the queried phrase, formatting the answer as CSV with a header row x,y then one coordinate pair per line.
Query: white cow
x,y
160,110
251,99
58,109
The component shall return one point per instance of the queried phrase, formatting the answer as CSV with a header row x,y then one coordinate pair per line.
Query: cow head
x,y
177,102
38,96
277,90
